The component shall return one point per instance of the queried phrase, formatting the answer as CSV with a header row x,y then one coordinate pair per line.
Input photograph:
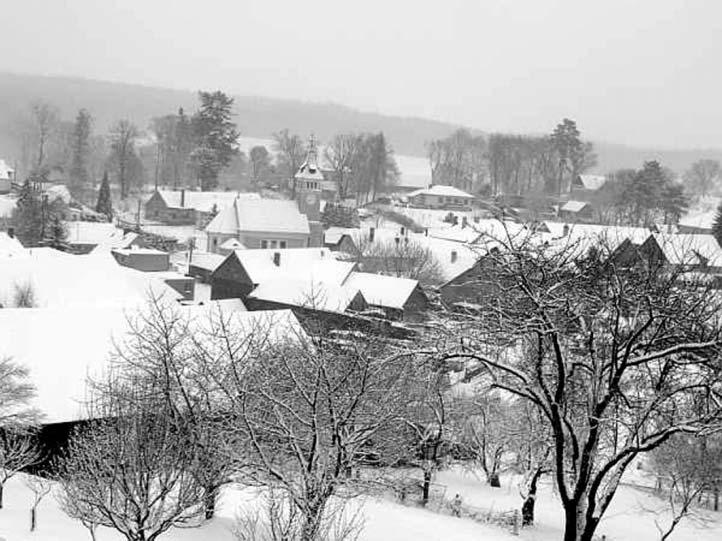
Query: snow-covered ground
x,y
629,517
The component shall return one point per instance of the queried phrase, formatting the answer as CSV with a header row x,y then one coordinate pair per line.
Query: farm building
x,y
441,197
189,207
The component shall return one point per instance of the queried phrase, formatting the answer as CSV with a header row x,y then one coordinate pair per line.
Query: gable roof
x,y
590,182
63,280
6,171
316,295
689,249
380,290
10,246
574,206
277,216
203,201
232,244
442,190
305,264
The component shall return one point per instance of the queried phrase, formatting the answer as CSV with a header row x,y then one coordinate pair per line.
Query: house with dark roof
x,y
259,224
189,207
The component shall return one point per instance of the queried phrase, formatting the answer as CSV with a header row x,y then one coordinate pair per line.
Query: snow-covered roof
x,y
574,206
305,264
232,244
207,261
94,233
64,346
334,234
62,280
442,190
452,256
203,201
318,295
7,205
379,290
591,182
687,249
6,172
260,215
139,251
612,234
10,246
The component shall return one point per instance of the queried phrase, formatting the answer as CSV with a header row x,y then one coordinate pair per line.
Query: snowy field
x,y
629,518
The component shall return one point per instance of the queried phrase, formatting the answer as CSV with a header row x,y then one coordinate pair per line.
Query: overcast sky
x,y
629,71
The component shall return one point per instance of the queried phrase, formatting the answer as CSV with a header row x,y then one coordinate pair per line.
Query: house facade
x,y
441,197
259,224
189,207
7,177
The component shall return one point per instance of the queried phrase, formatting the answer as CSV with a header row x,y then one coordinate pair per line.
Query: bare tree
x,y
309,410
686,466
703,176
403,257
158,351
291,153
617,360
123,135
340,154
24,295
129,469
18,449
45,117
40,487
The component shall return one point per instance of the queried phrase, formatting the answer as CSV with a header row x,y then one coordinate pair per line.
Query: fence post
x,y
515,523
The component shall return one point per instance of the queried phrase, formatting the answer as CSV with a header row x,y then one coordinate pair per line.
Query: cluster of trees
x,y
703,177
575,368
501,164
641,197
362,164
38,218
192,150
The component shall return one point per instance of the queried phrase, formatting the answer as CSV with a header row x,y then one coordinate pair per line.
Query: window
x,y
273,243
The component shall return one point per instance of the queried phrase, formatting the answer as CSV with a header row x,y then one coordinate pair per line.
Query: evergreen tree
x,y
216,137
105,203
717,226
56,233
80,149
27,216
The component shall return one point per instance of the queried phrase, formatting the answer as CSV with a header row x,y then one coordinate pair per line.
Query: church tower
x,y
308,183
307,187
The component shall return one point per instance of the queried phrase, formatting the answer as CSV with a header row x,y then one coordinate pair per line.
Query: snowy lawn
x,y
384,520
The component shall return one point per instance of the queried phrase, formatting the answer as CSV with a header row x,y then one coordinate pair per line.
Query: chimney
x,y
426,232
403,231
464,222
565,230
397,240
277,258
183,197
476,219
453,256
372,233
11,232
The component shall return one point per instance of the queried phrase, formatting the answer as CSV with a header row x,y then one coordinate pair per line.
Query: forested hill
x,y
260,117
256,116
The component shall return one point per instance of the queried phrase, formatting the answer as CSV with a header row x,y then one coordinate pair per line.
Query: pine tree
x,y
105,203
27,216
80,148
717,226
216,135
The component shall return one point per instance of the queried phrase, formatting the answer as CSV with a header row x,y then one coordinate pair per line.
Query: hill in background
x,y
260,117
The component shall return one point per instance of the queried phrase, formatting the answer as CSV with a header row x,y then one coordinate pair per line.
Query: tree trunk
x,y
209,502
494,481
33,519
527,508
426,487
2,490
716,498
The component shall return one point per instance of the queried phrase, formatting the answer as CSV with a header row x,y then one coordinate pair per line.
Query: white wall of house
x,y
254,240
